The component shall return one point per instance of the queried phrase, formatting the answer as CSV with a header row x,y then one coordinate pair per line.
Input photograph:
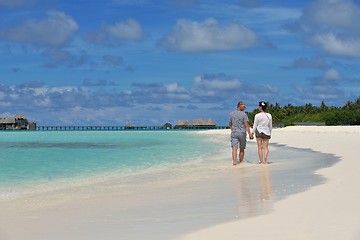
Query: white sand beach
x,y
327,211
171,205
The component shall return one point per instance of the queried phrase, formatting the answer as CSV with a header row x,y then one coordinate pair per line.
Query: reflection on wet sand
x,y
253,191
265,182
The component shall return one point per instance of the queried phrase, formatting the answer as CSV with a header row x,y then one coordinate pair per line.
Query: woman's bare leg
x,y
260,147
266,150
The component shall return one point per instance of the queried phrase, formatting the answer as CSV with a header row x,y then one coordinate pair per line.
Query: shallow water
x,y
30,159
164,183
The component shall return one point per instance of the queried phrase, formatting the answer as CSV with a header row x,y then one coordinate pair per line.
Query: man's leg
x,y
234,155
242,147
241,154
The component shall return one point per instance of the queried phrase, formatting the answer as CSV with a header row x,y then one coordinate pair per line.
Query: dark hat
x,y
262,104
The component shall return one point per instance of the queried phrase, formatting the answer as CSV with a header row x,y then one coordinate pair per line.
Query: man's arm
x,y
230,122
247,126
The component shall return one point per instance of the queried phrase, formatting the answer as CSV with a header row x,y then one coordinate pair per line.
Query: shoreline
x,y
326,211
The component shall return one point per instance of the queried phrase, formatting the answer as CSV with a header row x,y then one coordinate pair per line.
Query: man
x,y
239,125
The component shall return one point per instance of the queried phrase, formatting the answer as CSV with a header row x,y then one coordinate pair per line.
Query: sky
x,y
146,63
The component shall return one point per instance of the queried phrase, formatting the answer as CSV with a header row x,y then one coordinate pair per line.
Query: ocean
x,y
38,160
164,183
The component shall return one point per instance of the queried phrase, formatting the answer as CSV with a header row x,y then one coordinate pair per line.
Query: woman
x,y
262,129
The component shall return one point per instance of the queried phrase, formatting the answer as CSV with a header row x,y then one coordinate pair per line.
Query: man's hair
x,y
240,103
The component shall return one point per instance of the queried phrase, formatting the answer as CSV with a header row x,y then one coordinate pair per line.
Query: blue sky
x,y
115,62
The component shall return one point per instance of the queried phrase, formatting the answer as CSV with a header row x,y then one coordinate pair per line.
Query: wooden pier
x,y
123,128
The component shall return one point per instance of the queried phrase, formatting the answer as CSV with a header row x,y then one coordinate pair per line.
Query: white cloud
x,y
214,87
325,87
129,29
334,45
43,102
332,74
59,90
319,93
53,31
312,62
176,91
201,82
190,36
333,13
271,14
14,96
333,25
175,88
157,93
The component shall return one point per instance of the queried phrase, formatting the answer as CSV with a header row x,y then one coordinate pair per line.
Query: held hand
x,y
251,136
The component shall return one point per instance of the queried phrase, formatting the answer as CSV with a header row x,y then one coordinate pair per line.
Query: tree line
x,y
349,114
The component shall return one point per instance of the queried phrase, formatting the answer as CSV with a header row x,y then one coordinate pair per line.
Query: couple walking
x,y
239,125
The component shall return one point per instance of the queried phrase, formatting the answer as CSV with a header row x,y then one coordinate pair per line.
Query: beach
x,y
327,211
215,200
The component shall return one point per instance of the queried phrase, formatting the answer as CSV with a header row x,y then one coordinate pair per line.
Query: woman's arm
x,y
255,123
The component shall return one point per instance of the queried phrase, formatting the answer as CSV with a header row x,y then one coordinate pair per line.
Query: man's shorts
x,y
238,139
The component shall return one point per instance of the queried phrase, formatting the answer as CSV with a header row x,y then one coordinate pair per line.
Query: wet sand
x,y
326,211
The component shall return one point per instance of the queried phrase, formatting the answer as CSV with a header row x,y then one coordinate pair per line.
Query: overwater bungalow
x,y
18,122
196,123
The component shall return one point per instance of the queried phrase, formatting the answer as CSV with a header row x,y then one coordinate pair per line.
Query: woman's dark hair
x,y
263,105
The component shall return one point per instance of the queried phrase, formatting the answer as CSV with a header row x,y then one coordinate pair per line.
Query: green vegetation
x,y
349,114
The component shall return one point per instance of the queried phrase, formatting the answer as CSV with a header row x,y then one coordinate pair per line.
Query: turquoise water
x,y
30,158
43,161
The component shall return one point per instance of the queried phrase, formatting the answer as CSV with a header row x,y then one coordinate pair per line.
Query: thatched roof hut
x,y
202,122
11,120
20,116
182,123
196,123
7,120
18,122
